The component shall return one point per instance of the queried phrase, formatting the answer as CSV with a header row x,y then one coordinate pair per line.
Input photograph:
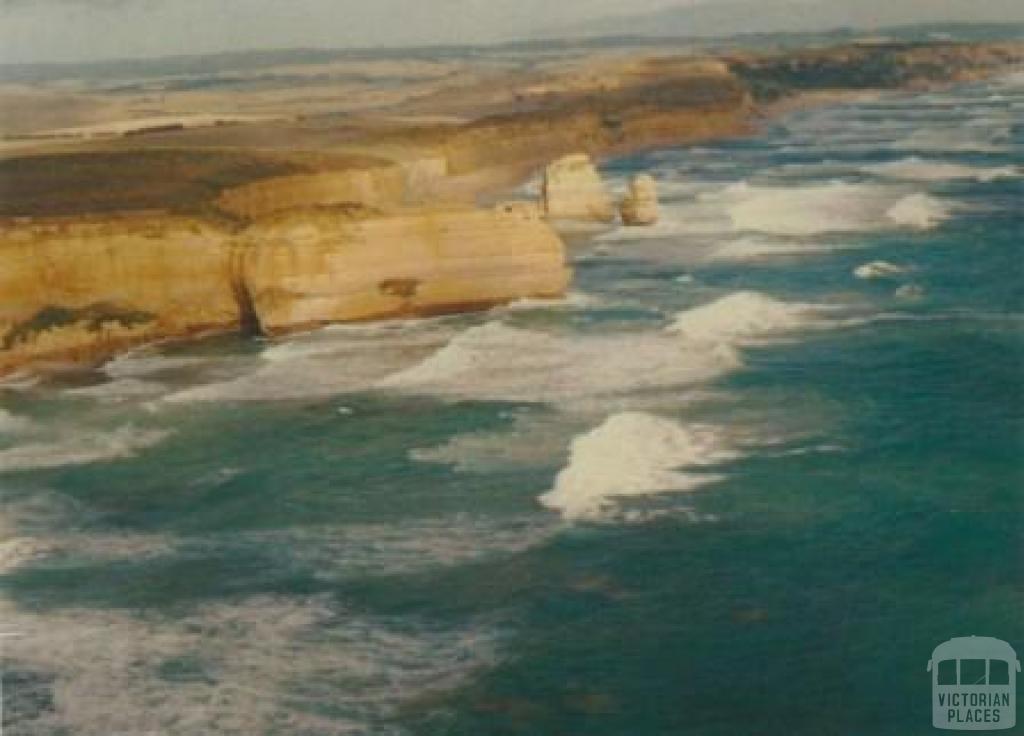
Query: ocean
x,y
764,457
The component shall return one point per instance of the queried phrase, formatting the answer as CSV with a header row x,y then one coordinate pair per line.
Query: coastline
x,y
442,192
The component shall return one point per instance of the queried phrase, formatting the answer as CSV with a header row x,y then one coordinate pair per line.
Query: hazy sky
x,y
72,30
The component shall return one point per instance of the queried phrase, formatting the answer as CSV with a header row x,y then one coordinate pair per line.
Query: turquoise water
x,y
736,483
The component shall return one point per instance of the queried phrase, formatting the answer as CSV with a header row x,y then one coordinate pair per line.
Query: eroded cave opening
x,y
248,320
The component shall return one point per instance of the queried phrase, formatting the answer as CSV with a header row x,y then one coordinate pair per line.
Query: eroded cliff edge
x,y
80,290
122,242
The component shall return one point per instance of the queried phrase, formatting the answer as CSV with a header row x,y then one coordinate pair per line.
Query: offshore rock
x,y
573,190
640,206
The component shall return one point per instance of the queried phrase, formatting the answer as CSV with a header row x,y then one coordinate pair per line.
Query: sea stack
x,y
640,206
573,190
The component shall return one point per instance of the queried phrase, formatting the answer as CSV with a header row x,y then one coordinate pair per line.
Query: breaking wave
x,y
918,169
746,248
572,300
328,362
823,208
121,389
145,362
741,317
633,454
879,270
495,361
919,211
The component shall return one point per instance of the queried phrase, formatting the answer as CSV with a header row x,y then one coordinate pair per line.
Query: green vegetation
x,y
94,317
864,67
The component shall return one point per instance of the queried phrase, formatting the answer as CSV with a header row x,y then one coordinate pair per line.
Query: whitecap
x,y
80,447
919,211
12,423
498,362
572,300
910,292
633,454
325,363
744,249
741,317
19,551
878,270
823,208
145,362
918,169
122,389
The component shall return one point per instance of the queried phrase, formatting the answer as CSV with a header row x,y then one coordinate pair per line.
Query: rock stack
x,y
573,190
640,207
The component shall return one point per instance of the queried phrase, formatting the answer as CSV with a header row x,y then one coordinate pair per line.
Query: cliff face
x,y
705,101
573,190
81,290
328,234
307,269
373,186
73,288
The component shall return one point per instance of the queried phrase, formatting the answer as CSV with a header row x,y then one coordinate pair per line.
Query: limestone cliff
x,y
573,190
71,289
305,269
80,290
286,225
371,186
640,206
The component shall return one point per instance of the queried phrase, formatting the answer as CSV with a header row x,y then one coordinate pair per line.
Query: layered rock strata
x,y
80,290
573,190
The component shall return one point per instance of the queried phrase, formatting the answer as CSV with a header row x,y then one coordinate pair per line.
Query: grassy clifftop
x,y
868,66
514,119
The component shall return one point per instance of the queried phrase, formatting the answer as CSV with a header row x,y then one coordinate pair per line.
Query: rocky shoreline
x,y
405,232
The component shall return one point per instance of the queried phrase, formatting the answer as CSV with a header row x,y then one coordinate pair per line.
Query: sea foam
x,y
833,207
121,389
12,423
633,454
878,270
249,665
918,169
496,361
755,248
79,448
741,317
328,362
499,362
919,211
